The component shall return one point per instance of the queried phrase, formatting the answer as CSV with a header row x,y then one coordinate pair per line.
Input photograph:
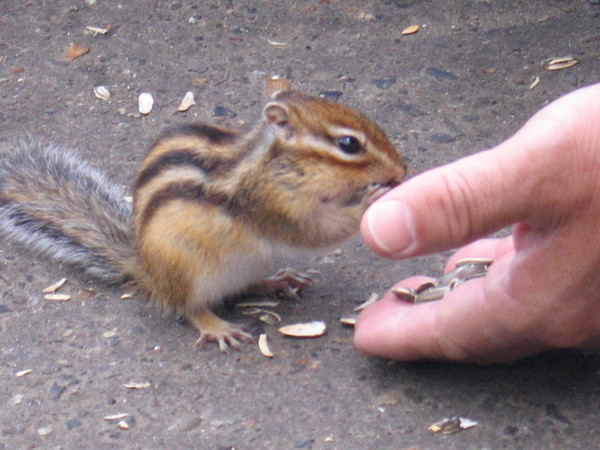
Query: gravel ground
x,y
459,85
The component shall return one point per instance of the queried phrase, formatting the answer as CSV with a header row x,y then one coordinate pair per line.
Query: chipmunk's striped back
x,y
180,166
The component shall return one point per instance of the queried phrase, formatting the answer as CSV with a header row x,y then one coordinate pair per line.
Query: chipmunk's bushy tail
x,y
53,202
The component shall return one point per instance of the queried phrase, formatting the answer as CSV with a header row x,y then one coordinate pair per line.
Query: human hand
x,y
543,289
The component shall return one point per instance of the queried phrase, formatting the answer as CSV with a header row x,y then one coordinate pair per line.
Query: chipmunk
x,y
211,209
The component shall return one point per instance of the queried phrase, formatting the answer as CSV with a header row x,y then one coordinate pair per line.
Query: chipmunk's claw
x,y
213,329
286,282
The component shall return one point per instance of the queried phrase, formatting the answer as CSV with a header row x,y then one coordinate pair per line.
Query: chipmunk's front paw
x,y
287,282
214,329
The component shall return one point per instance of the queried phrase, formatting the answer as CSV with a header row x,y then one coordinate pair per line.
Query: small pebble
x,y
304,443
56,391
200,67
411,110
571,78
331,95
188,423
72,423
440,74
383,83
221,111
442,138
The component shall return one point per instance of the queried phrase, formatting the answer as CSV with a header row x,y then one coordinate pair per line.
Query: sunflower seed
x,y
115,417
57,297
97,30
187,102
534,83
54,287
102,93
145,103
561,63
348,320
372,299
138,385
405,294
465,261
263,346
304,330
431,294
451,425
410,30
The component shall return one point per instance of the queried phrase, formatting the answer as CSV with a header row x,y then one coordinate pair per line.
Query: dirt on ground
x,y
102,371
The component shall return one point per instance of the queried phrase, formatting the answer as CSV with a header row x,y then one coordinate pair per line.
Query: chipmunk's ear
x,y
278,117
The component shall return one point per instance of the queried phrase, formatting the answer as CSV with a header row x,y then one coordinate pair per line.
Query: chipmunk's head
x,y
333,162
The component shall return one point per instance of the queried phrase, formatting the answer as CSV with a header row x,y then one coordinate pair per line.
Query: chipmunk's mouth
x,y
376,191
365,195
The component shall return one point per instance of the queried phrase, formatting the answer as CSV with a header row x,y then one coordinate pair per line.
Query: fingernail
x,y
387,222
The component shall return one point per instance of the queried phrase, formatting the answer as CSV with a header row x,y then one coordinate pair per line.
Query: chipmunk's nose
x,y
398,176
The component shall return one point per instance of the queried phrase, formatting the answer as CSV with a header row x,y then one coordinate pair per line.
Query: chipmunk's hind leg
x,y
214,329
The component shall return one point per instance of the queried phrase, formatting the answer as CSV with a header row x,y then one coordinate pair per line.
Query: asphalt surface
x,y
100,371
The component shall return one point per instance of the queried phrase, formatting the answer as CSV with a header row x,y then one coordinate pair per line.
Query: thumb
x,y
454,204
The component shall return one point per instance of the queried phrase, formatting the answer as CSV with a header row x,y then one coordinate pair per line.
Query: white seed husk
x,y
263,346
145,103
102,93
57,297
259,304
123,425
534,83
276,43
372,299
561,63
451,425
96,30
110,334
138,385
348,320
270,317
410,30
113,417
54,287
405,294
304,330
187,102
465,261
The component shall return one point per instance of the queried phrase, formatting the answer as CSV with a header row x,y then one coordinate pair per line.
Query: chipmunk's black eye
x,y
349,145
